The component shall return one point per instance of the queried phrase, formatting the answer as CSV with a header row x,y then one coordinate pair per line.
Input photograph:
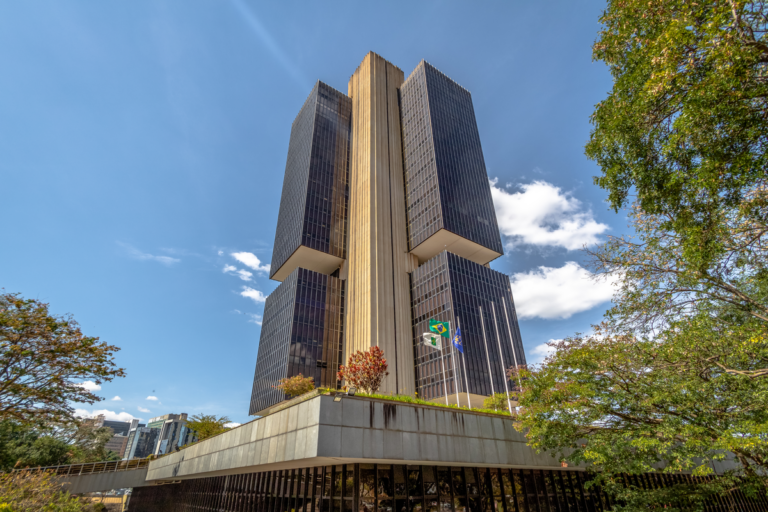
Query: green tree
x,y
676,377
683,400
207,425
25,445
87,443
296,385
21,445
684,126
42,360
35,491
498,402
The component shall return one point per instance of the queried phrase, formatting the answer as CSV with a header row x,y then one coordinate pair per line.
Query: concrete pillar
x,y
378,298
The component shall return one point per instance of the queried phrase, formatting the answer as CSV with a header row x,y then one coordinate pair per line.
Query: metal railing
x,y
90,468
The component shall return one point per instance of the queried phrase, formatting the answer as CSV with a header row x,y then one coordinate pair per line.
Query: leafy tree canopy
x,y
296,385
623,404
42,360
499,401
684,126
25,445
676,377
207,425
35,491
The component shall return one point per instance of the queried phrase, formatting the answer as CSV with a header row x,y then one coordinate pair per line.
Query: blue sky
x,y
143,143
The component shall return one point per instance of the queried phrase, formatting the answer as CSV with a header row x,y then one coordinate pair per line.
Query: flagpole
x,y
453,361
501,355
512,341
464,362
442,363
487,354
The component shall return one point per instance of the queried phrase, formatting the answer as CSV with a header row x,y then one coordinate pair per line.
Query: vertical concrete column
x,y
378,299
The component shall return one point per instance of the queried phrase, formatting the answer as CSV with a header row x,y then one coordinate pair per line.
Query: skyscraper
x,y
386,222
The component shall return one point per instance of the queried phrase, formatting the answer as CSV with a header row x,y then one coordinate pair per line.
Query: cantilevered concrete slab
x,y
310,259
323,432
444,240
100,482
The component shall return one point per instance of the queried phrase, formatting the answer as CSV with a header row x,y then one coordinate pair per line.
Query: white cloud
x,y
256,319
116,399
89,385
143,256
251,260
558,292
221,253
232,424
108,415
152,398
242,274
540,352
142,409
256,295
542,214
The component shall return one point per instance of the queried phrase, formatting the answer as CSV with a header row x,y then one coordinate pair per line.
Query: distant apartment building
x,y
161,435
173,432
120,431
141,442
117,444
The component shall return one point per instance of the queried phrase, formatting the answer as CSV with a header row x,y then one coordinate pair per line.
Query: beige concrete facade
x,y
321,432
378,311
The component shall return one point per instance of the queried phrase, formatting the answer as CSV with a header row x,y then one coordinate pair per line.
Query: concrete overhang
x,y
319,432
99,482
309,259
444,240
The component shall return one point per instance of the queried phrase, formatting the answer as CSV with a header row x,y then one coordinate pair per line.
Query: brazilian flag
x,y
441,328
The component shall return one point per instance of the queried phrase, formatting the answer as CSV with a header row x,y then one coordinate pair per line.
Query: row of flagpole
x,y
457,342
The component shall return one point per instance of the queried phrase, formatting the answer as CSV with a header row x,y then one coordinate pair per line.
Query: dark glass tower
x,y
453,289
448,197
302,333
311,226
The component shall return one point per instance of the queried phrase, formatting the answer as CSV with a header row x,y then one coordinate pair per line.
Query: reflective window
x,y
301,333
446,182
315,197
452,289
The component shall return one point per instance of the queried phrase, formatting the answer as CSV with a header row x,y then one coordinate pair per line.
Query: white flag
x,y
432,340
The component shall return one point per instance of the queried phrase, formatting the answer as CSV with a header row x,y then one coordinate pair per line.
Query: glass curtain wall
x,y
313,205
445,178
451,288
301,333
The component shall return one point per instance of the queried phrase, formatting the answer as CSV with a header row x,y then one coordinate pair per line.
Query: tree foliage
x,y
498,402
25,445
684,126
676,377
296,385
623,404
42,359
365,370
39,491
207,425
